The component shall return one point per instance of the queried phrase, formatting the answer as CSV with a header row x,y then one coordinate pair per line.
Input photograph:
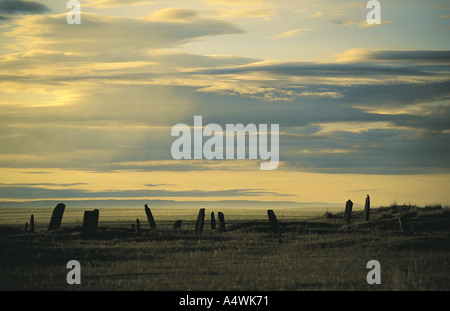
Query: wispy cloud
x,y
262,13
38,192
318,14
94,35
292,33
414,56
114,3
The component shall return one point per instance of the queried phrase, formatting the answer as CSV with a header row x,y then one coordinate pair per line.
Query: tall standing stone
x,y
213,221
32,224
404,223
55,221
90,223
150,219
221,221
177,224
348,211
200,221
367,209
138,227
273,221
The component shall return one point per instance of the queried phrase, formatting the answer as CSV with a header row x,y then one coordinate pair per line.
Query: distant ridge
x,y
168,203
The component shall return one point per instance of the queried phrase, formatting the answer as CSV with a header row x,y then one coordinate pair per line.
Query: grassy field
x,y
315,253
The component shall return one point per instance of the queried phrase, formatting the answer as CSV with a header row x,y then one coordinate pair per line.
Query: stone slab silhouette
x,y
348,211
213,221
57,215
221,221
90,223
200,221
150,218
273,221
367,209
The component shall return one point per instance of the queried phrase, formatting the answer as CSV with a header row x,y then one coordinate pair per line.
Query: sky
x,y
86,110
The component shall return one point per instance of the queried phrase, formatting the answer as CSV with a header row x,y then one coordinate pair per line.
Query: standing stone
x,y
26,226
90,222
367,209
348,211
273,221
213,221
138,227
177,224
221,221
32,224
55,221
150,219
404,223
200,221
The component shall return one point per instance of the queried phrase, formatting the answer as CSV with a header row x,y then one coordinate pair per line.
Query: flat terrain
x,y
320,253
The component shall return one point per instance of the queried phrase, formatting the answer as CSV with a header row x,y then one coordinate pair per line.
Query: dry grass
x,y
321,253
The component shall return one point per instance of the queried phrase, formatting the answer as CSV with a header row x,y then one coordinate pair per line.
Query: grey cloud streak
x,y
11,8
22,7
35,192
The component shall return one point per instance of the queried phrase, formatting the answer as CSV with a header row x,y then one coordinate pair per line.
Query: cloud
x,y
14,7
292,33
318,14
94,35
432,119
351,22
10,8
399,94
115,3
365,24
415,56
371,151
236,3
265,14
174,14
21,191
320,69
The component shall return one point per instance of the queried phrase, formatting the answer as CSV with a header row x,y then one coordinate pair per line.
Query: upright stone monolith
x,y
404,224
55,221
200,221
90,223
32,224
150,219
177,224
273,221
367,209
348,211
221,221
138,227
213,221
